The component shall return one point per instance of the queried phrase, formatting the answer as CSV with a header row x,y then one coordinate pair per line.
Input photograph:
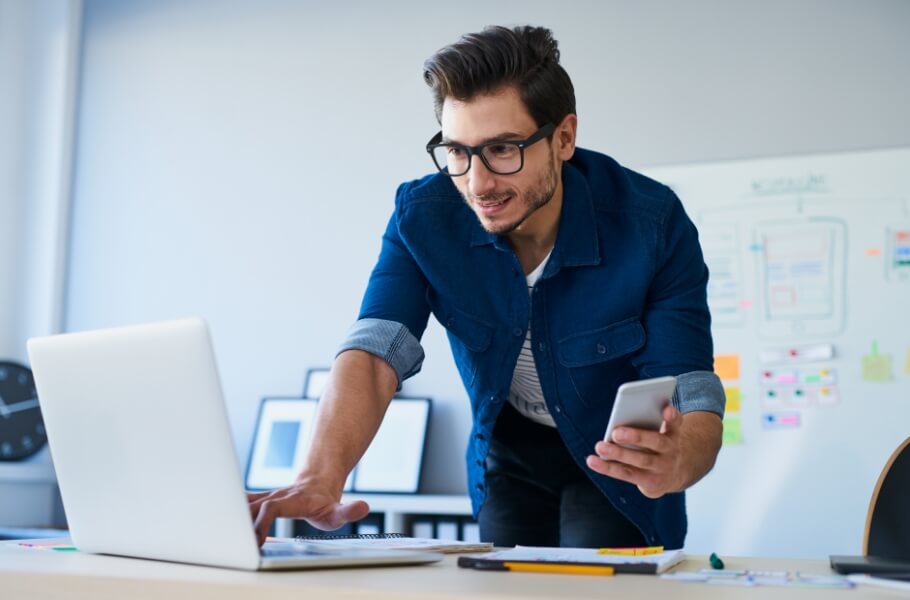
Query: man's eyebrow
x,y
505,136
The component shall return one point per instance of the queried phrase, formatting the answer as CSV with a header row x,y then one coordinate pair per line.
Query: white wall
x,y
38,58
12,183
238,160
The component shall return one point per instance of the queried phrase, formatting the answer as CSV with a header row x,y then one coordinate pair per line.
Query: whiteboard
x,y
809,294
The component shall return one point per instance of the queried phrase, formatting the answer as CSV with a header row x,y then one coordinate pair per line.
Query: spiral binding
x,y
354,536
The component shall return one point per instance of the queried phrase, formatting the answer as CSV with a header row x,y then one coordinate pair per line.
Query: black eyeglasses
x,y
504,157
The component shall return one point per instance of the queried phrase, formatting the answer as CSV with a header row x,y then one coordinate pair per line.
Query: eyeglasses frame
x,y
545,131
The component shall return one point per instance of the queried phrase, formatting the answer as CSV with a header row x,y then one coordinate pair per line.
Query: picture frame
x,y
393,462
315,381
280,441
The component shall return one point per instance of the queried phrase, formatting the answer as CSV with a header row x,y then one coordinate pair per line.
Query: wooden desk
x,y
35,574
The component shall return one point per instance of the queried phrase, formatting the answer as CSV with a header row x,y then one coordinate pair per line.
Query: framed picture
x,y
315,381
280,443
394,459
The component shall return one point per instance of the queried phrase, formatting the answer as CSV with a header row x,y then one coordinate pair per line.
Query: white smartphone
x,y
641,404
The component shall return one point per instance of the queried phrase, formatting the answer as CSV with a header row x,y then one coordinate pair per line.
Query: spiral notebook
x,y
393,541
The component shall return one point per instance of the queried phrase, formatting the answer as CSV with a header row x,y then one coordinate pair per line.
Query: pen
x,y
632,551
564,569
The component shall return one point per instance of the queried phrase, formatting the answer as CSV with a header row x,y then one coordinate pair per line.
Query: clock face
x,y
21,428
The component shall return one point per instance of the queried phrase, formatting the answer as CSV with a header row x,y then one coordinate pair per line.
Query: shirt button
x,y
517,332
559,408
623,499
601,349
542,346
479,436
479,486
450,321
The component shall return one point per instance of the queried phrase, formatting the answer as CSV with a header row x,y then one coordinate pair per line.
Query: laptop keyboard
x,y
280,550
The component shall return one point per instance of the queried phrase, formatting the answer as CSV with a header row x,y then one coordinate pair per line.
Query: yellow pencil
x,y
632,551
562,568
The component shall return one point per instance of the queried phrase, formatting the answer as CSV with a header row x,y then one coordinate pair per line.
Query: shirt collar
x,y
577,241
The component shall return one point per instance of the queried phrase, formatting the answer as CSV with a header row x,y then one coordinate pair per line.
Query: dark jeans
x,y
538,496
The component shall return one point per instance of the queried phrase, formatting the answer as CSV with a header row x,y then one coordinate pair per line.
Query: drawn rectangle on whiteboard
x,y
803,265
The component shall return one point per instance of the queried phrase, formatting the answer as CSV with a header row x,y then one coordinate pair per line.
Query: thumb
x,y
352,511
672,419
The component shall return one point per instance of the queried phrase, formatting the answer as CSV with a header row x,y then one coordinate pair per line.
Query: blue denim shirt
x,y
623,297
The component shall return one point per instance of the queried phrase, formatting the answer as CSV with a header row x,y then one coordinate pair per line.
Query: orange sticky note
x,y
733,396
726,366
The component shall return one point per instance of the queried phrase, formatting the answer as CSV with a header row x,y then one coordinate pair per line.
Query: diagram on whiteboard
x,y
802,276
809,292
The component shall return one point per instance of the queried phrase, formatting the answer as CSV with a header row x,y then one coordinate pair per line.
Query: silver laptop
x,y
145,462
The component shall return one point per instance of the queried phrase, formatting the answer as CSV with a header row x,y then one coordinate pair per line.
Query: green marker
x,y
716,562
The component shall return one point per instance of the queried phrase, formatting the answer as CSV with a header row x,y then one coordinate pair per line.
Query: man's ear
x,y
564,137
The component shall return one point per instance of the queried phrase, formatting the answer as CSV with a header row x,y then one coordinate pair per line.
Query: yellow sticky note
x,y
733,432
733,396
907,363
726,366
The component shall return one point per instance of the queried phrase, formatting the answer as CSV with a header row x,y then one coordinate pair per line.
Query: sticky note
x,y
733,397
827,395
907,363
876,367
781,420
727,366
733,431
787,378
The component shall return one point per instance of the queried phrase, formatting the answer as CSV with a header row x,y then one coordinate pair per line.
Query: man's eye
x,y
456,152
502,150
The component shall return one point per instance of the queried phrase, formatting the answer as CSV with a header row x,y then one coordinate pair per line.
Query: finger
x,y
641,438
614,469
269,510
644,460
336,515
672,419
649,484
353,511
253,496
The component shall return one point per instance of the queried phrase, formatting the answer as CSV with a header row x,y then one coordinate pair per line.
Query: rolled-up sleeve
x,y
390,341
699,390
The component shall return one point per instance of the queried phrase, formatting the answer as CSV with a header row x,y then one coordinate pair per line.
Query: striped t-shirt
x,y
525,393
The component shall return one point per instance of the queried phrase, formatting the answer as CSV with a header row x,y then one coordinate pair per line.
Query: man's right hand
x,y
301,500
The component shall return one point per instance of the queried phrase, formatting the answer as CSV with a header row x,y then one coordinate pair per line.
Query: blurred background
x,y
238,160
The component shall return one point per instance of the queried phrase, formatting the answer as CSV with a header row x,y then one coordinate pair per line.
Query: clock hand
x,y
20,406
4,409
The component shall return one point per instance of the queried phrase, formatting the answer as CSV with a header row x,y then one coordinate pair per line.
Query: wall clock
x,y
21,428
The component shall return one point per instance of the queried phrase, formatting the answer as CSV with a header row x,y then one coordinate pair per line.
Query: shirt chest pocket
x,y
593,359
469,337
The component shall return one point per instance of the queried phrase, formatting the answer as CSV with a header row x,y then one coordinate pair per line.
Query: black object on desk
x,y
886,543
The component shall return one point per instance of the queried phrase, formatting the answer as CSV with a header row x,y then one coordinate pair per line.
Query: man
x,y
559,275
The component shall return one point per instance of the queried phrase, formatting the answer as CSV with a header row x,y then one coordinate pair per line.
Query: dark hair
x,y
479,63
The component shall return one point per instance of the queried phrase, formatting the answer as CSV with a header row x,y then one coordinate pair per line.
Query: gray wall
x,y
238,160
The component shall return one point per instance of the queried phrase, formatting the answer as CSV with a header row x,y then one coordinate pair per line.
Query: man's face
x,y
502,203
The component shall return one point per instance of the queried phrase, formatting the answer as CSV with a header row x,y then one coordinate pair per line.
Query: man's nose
x,y
480,180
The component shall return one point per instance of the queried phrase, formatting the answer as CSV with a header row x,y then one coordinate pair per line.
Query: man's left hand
x,y
665,461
